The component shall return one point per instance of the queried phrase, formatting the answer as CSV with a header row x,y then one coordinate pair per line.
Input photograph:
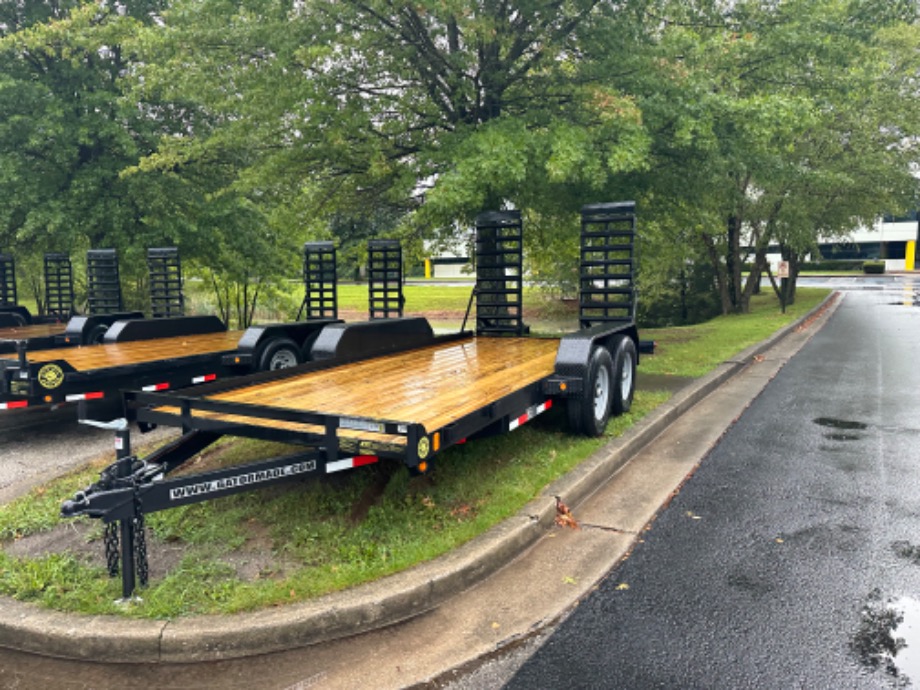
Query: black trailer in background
x,y
170,352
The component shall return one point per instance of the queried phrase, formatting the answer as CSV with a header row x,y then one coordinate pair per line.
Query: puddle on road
x,y
889,637
842,427
840,423
842,437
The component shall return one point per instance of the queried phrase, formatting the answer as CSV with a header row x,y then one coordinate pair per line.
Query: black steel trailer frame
x,y
593,376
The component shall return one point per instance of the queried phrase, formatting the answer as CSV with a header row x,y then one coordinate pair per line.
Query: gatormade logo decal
x,y
50,376
424,447
239,480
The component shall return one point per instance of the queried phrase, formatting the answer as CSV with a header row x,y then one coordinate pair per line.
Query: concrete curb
x,y
369,607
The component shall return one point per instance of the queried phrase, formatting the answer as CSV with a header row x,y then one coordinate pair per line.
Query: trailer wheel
x,y
624,375
280,353
306,350
588,413
97,335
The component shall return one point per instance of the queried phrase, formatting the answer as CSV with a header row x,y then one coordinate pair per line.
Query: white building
x,y
893,240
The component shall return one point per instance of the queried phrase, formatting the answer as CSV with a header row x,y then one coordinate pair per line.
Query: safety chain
x,y
110,538
140,550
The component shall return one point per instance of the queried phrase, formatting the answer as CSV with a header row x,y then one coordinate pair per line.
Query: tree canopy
x,y
246,127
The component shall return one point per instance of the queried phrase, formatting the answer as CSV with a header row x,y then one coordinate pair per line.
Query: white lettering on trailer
x,y
529,414
360,424
241,480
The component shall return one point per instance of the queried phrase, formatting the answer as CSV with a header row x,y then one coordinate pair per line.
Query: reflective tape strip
x,y
530,414
349,463
97,395
156,387
204,379
14,405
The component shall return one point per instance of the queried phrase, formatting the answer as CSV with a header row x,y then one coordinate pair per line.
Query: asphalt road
x,y
791,558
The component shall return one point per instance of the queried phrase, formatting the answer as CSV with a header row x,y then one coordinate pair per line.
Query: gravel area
x,y
39,445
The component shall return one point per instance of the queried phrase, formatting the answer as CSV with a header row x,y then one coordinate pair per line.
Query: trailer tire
x,y
307,347
280,353
588,413
624,375
97,335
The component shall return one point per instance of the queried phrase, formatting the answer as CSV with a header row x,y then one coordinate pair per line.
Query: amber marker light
x,y
236,360
48,398
436,442
423,466
563,386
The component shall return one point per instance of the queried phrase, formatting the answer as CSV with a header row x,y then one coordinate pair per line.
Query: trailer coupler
x,y
115,497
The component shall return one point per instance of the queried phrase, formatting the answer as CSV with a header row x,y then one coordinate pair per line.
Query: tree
x,y
433,110
759,111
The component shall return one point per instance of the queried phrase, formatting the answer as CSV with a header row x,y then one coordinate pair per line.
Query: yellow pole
x,y
910,255
428,267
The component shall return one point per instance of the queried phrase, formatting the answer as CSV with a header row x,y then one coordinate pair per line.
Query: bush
x,y
874,267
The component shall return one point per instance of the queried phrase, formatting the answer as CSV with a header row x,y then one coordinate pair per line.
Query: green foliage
x,y
874,267
237,131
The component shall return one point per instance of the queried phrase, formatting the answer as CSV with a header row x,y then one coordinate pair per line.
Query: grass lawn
x,y
301,540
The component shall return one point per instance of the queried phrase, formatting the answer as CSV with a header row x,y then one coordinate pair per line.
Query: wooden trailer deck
x,y
432,386
37,330
108,355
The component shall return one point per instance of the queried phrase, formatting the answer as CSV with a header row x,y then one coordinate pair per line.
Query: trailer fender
x,y
15,317
146,329
91,329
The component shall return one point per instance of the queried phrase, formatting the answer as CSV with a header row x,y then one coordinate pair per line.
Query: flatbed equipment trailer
x,y
359,402
62,326
166,353
176,352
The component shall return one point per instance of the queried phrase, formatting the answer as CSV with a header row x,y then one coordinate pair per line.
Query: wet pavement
x,y
791,557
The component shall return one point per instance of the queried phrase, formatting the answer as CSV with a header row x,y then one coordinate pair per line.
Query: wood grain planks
x,y
431,386
91,357
37,330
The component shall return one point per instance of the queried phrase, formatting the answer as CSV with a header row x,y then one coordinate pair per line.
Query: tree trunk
x,y
733,264
719,270
753,281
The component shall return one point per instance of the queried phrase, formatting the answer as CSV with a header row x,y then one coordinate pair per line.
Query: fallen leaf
x,y
622,587
569,580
